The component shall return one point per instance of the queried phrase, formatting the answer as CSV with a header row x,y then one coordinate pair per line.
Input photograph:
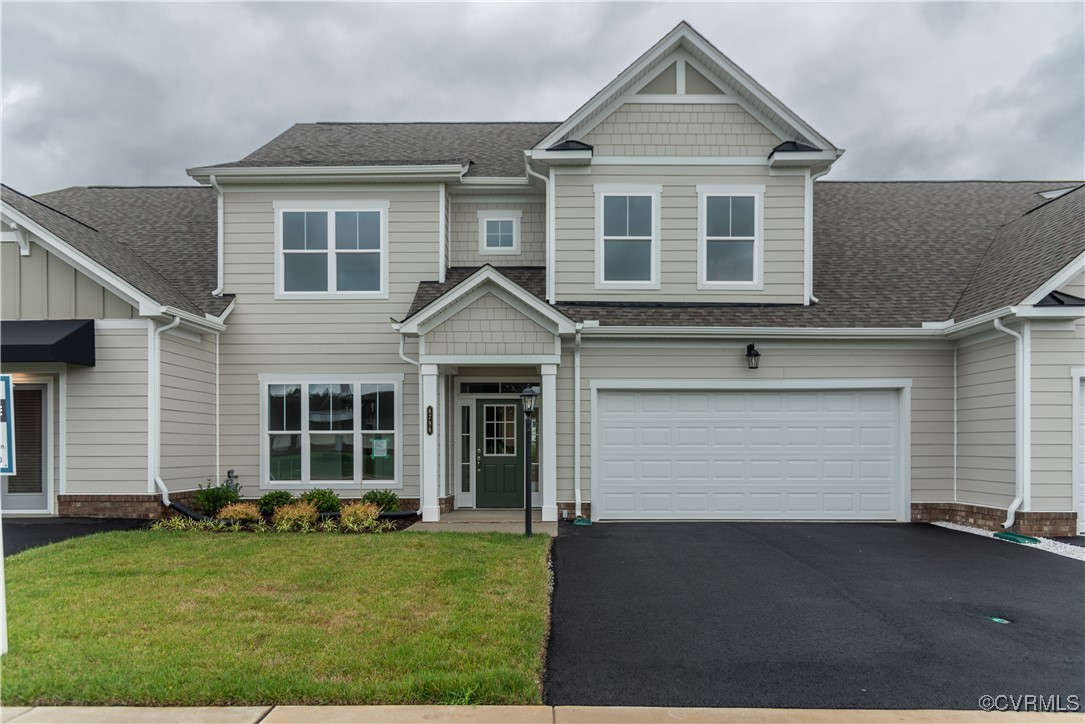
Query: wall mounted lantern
x,y
753,357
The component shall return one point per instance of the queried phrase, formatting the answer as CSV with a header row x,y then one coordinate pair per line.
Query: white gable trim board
x,y
1077,379
797,450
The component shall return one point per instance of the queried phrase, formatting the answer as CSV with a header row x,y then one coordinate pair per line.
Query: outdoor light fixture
x,y
753,357
528,397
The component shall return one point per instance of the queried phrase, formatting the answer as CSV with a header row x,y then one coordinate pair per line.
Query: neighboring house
x,y
357,306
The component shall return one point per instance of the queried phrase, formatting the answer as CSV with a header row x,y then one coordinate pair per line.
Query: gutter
x,y
677,332
1023,413
449,171
156,410
217,291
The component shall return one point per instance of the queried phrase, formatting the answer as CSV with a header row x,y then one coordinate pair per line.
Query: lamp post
x,y
528,397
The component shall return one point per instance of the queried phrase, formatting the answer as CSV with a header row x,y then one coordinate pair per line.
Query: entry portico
x,y
478,344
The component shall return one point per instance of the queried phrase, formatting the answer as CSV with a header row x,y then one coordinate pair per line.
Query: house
x,y
358,306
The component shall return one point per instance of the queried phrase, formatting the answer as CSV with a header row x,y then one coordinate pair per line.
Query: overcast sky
x,y
135,93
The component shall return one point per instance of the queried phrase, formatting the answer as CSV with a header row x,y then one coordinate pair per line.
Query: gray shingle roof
x,y
493,149
886,254
162,240
1025,253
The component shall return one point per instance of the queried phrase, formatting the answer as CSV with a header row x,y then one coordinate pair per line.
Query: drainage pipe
x,y
548,183
576,423
220,276
1023,422
156,445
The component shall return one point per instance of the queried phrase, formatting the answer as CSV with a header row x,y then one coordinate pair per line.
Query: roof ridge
x,y
53,209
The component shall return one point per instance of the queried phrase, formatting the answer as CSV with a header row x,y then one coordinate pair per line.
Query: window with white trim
x,y
332,252
730,246
499,232
627,237
331,433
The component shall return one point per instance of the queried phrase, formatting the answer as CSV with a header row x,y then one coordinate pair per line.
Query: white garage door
x,y
715,455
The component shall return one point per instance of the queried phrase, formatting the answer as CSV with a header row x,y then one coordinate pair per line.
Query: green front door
x,y
500,476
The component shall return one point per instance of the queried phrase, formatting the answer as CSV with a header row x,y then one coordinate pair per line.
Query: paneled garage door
x,y
718,455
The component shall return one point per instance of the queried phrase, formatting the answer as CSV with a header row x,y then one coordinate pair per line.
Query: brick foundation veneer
x,y
1038,523
585,510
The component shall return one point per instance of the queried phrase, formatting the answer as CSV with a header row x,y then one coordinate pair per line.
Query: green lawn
x,y
163,618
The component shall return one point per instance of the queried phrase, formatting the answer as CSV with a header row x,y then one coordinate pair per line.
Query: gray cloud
x,y
135,93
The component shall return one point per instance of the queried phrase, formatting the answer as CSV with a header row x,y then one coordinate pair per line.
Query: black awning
x,y
48,340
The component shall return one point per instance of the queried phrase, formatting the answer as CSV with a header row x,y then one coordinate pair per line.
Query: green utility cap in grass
x,y
1017,538
581,520
996,619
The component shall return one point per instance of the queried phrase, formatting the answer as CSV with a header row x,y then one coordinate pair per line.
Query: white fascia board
x,y
1062,278
330,173
1027,311
495,181
201,323
221,319
562,158
958,329
788,332
482,276
791,159
106,278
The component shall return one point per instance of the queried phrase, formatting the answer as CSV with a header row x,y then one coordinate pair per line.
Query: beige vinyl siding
x,y
1054,352
928,365
986,415
107,416
352,337
188,411
25,374
681,129
1075,286
465,235
44,286
489,326
575,240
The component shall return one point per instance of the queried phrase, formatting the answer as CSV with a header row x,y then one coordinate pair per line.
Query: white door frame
x,y
468,399
50,456
902,385
1077,424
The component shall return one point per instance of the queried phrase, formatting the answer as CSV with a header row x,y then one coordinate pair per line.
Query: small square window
x,y
499,232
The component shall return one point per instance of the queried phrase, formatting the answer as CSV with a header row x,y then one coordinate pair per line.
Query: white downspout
x,y
220,278
156,406
808,237
441,231
955,424
1022,411
549,227
218,465
576,423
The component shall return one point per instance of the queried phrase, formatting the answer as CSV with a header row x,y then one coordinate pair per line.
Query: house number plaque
x,y
429,419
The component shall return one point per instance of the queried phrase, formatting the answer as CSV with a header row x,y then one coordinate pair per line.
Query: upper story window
x,y
627,236
730,237
331,250
499,232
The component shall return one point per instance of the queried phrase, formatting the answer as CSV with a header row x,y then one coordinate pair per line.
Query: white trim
x,y
490,360
421,321
220,240
329,207
704,191
152,390
652,191
677,332
1061,278
807,237
680,76
329,173
548,464
62,433
121,323
264,379
903,385
679,161
487,215
470,297
49,465
1077,378
551,238
442,231
690,98
429,459
461,198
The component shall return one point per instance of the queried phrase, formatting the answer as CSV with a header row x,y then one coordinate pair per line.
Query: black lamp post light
x,y
528,398
753,357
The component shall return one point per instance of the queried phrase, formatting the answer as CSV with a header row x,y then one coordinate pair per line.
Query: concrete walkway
x,y
496,714
494,520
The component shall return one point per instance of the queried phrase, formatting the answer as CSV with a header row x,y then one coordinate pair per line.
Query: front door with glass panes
x,y
27,490
499,454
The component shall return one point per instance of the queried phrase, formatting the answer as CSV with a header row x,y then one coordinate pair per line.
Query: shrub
x,y
386,500
242,512
184,523
325,501
212,498
300,516
275,499
357,517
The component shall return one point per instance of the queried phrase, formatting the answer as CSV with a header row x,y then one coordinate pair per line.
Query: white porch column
x,y
429,424
549,442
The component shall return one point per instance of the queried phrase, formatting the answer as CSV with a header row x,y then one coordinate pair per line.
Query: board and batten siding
x,y
352,337
681,129
188,411
929,365
44,286
1054,353
489,326
464,230
986,419
107,416
575,233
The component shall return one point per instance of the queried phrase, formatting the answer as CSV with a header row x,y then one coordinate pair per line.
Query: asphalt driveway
x,y
22,533
818,615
